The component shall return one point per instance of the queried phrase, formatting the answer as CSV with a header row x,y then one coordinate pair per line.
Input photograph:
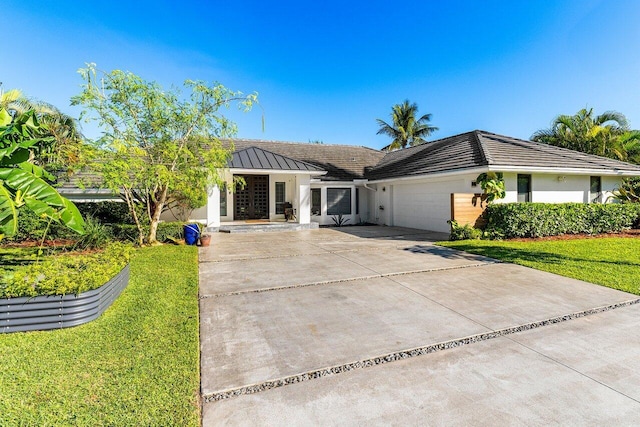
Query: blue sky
x,y
326,70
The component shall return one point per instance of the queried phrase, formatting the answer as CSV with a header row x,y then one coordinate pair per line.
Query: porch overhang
x,y
238,171
254,160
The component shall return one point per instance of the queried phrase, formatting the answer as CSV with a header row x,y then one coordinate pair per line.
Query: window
x,y
338,201
280,196
223,200
595,189
316,202
357,201
524,188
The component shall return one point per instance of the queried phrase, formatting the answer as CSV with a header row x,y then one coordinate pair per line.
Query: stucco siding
x,y
426,204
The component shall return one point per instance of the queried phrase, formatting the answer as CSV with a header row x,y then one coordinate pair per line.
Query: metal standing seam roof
x,y
257,158
342,162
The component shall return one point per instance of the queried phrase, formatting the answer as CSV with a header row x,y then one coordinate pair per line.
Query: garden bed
x,y
60,311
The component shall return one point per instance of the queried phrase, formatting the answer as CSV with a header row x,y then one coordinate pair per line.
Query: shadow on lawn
x,y
514,255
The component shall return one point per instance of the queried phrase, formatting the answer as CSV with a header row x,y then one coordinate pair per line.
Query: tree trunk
x,y
155,218
128,196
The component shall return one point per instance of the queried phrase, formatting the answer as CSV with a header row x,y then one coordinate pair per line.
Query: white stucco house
x,y
411,187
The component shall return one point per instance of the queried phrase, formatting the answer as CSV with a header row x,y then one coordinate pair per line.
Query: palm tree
x,y
67,144
605,135
406,129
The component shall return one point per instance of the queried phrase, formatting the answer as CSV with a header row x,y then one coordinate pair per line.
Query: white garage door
x,y
426,206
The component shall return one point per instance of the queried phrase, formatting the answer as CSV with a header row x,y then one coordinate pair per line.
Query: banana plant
x,y
492,184
24,184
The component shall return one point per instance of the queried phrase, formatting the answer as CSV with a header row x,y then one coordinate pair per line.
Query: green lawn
x,y
138,364
611,262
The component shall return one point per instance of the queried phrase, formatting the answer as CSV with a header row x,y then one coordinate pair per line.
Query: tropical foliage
x,y
406,128
607,134
157,143
628,191
492,184
23,183
63,148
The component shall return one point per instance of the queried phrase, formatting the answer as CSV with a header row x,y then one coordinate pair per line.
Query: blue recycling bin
x,y
191,233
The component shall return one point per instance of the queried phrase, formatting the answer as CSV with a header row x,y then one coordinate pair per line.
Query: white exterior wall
x,y
212,208
426,203
609,183
363,208
228,178
290,182
422,203
303,199
558,188
297,192
197,215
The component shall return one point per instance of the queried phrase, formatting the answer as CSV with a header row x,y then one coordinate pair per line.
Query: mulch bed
x,y
635,233
58,243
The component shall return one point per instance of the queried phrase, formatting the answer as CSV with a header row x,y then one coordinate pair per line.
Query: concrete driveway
x,y
376,325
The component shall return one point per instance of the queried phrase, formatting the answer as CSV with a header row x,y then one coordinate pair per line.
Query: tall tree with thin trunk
x,y
157,142
405,127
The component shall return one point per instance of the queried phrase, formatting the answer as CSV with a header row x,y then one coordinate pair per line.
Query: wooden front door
x,y
252,202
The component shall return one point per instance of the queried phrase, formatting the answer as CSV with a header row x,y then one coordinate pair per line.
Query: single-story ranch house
x,y
411,187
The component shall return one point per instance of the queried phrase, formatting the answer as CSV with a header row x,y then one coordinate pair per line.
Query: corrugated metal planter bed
x,y
60,311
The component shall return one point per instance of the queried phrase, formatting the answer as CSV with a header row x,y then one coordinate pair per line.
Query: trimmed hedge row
x,y
507,220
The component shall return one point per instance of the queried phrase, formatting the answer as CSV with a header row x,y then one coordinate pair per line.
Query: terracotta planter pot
x,y
205,240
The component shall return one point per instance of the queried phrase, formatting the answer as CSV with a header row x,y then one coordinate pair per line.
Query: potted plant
x,y
205,239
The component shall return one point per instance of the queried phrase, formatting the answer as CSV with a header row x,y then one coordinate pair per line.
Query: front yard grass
x,y
138,364
612,262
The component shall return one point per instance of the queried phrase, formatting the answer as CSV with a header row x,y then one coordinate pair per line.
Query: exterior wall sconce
x,y
562,178
384,188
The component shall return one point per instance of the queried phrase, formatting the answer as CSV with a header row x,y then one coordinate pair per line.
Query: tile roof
x,y
468,150
257,158
479,148
515,152
342,162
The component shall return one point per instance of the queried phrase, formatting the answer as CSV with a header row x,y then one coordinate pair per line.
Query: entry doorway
x,y
252,201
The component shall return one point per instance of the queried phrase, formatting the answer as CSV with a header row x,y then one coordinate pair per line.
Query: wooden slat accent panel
x,y
466,209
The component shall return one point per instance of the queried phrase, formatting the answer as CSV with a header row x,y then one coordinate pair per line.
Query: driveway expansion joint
x,y
354,279
403,354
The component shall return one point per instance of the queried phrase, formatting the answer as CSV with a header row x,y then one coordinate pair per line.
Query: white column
x,y
304,199
354,217
213,207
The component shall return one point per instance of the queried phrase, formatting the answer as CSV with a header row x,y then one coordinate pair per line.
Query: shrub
x,y
65,274
465,232
544,219
106,212
96,235
33,227
170,231
167,231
